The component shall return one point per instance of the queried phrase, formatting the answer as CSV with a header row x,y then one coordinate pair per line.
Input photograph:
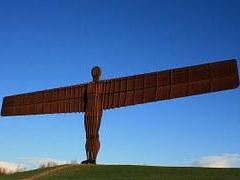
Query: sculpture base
x,y
89,162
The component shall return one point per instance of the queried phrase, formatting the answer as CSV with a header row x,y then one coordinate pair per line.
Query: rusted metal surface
x,y
59,100
94,97
170,84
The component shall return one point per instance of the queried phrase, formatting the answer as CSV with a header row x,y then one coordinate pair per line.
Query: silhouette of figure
x,y
92,117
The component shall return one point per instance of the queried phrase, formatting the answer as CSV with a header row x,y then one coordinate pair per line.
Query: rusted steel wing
x,y
170,84
127,91
58,100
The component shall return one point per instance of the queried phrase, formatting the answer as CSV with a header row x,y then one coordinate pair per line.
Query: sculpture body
x,y
92,121
94,97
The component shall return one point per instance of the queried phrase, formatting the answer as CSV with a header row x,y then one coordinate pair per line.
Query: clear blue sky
x,y
46,44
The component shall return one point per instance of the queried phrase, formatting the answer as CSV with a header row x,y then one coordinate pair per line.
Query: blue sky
x,y
46,44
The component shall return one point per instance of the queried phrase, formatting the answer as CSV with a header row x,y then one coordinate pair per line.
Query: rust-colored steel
x,y
94,97
170,84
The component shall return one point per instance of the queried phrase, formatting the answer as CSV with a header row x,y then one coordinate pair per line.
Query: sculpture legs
x,y
92,123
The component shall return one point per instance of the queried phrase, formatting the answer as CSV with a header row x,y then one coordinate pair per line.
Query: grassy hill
x,y
123,172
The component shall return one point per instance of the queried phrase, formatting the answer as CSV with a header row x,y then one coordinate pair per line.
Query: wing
x,y
58,100
170,84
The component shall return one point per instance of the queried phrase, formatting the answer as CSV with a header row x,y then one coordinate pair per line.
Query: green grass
x,y
123,172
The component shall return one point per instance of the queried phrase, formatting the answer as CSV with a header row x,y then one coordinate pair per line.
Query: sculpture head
x,y
96,73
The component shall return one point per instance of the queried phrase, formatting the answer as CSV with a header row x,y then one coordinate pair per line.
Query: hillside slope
x,y
123,172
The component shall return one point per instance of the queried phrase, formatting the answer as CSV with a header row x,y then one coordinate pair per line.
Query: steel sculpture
x,y
94,97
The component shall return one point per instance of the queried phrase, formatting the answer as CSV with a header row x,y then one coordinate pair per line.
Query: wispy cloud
x,y
10,167
219,161
35,162
29,163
